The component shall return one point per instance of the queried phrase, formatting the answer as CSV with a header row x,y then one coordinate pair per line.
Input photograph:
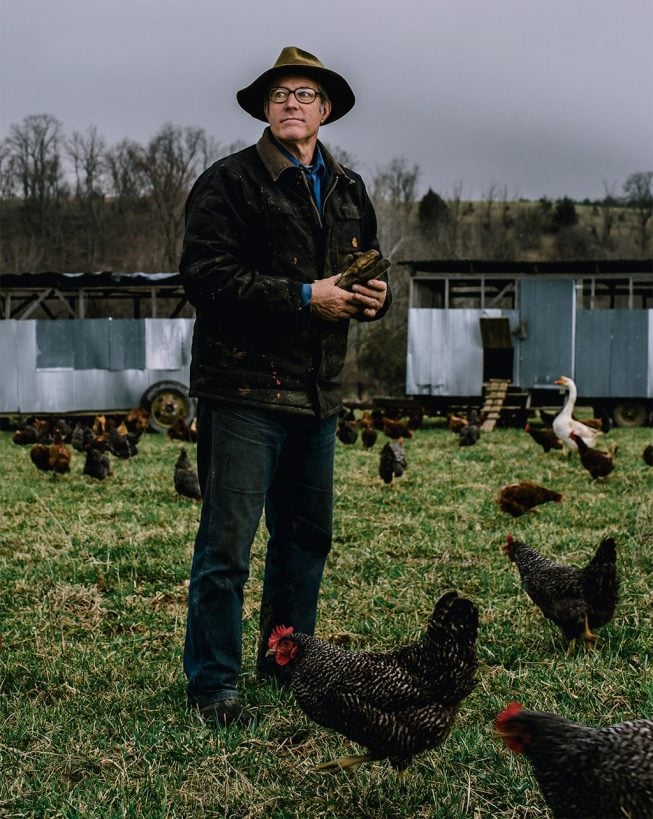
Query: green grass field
x,y
92,614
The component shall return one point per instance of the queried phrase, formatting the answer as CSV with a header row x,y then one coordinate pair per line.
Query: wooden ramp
x,y
495,392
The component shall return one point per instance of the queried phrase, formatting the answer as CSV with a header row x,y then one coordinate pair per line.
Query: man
x,y
269,230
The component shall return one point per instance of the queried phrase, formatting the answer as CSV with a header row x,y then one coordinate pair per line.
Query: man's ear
x,y
325,110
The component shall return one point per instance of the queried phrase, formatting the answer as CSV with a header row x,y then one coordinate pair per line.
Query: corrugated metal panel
x,y
445,351
547,307
168,343
26,388
612,357
126,345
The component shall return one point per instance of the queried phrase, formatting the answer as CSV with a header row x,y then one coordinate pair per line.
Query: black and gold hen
x,y
396,703
577,600
583,772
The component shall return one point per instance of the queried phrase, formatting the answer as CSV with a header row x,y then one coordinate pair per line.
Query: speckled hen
x,y
575,599
583,772
397,703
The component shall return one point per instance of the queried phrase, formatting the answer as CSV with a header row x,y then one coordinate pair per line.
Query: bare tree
x,y
87,152
35,148
638,190
168,165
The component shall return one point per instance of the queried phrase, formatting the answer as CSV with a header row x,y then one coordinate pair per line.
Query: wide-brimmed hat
x,y
293,60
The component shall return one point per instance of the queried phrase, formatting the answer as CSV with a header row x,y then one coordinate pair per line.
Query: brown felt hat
x,y
293,60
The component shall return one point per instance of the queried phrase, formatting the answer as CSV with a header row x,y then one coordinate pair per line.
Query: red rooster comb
x,y
510,711
278,633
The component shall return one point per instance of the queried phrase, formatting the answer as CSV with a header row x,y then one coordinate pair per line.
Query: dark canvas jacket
x,y
253,237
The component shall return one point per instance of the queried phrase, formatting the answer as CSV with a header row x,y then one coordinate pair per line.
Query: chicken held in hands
x,y
522,496
583,772
577,600
396,703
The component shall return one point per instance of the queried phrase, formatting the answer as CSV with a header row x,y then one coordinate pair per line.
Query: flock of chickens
x,y
51,442
401,702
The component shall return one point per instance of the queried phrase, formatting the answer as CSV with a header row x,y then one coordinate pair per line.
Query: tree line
x,y
74,203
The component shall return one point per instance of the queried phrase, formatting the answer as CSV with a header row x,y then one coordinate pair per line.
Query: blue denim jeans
x,y
249,460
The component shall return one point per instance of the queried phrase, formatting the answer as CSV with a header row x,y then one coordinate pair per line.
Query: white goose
x,y
564,423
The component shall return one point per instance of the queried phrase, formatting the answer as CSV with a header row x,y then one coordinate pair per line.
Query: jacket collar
x,y
276,162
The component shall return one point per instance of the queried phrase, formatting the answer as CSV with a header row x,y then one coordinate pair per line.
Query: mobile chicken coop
x,y
473,323
95,342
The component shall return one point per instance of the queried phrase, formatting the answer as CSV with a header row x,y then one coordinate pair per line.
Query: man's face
x,y
292,121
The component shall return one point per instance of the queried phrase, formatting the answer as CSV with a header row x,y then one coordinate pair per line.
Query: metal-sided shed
x,y
95,343
529,323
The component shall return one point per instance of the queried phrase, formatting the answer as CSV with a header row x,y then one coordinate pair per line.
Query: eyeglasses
x,y
304,95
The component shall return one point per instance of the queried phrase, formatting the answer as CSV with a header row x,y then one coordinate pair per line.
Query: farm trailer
x,y
528,323
93,343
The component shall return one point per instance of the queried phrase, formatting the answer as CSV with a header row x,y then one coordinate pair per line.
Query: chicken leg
x,y
345,762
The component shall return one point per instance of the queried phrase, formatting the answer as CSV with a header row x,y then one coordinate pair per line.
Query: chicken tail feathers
x,y
453,614
601,581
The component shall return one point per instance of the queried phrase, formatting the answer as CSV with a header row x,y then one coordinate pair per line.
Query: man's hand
x,y
371,296
331,302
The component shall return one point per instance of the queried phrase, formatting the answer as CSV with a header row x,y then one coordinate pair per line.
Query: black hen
x,y
97,464
576,600
393,462
648,455
397,703
584,772
471,432
185,477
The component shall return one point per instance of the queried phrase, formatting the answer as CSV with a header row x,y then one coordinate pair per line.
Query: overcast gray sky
x,y
540,97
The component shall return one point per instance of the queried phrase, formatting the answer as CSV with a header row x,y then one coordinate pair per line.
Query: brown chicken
x,y
583,772
544,436
181,431
519,498
599,464
397,703
456,422
577,600
369,436
54,457
396,428
59,455
185,477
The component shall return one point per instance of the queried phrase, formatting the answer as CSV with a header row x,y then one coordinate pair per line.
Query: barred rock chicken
x,y
576,600
583,772
185,477
393,462
519,498
544,436
397,703
599,464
